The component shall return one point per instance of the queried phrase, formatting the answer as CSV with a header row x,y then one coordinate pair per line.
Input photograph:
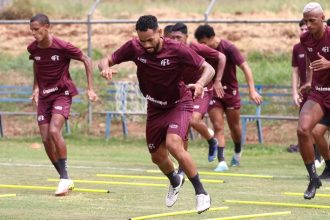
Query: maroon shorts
x,y
322,98
231,100
53,105
160,122
201,104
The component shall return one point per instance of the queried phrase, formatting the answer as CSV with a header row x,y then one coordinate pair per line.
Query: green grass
x,y
21,164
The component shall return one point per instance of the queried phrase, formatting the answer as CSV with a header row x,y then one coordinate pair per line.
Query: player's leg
x,y
309,116
233,119
217,119
319,136
175,146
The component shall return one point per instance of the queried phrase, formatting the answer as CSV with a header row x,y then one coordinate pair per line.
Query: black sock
x,y
238,147
174,178
199,189
317,153
327,164
63,168
213,141
180,171
221,156
57,167
311,170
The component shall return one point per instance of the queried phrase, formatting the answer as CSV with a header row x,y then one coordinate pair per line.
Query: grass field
x,y
20,164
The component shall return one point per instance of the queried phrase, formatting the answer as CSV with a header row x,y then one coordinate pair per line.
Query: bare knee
x,y
54,133
157,159
303,131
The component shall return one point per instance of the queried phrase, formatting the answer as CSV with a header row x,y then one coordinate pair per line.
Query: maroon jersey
x,y
52,67
210,55
160,75
298,60
234,58
312,46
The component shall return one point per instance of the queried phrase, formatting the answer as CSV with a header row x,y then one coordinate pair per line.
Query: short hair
x,y
302,22
312,6
180,27
146,22
168,29
204,31
41,18
328,22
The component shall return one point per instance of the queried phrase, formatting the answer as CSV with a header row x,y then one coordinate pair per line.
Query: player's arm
x,y
218,75
207,74
104,67
254,95
89,74
294,84
35,88
309,75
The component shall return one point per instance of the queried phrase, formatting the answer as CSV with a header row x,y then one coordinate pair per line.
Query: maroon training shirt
x,y
52,67
299,60
234,58
160,75
312,46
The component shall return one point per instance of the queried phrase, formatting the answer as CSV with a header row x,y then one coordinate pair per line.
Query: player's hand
x,y
319,64
304,89
296,99
198,90
107,73
255,97
219,91
92,95
35,97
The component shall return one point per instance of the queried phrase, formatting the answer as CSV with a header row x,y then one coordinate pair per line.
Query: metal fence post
x,y
208,10
89,53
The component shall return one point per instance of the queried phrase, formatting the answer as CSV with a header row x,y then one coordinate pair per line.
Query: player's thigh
x,y
233,119
310,114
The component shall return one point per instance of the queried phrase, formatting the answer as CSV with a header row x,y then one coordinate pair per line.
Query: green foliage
x,y
19,63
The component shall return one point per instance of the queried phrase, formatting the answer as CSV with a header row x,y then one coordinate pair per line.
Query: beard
x,y
155,49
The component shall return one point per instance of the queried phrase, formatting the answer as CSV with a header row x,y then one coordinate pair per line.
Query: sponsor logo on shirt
x,y
322,89
47,91
58,107
151,146
173,126
55,58
41,118
196,106
165,62
302,55
151,99
66,92
37,58
325,49
310,49
142,60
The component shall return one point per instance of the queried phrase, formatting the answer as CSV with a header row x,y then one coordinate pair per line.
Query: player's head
x,y
313,16
328,22
302,26
204,34
148,32
39,26
168,30
180,32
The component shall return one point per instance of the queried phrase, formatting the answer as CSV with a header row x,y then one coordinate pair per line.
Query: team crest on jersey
x,y
325,49
310,49
165,62
37,58
234,92
142,60
58,107
151,146
55,58
41,118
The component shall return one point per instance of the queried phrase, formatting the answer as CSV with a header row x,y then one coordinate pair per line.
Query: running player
x,y
160,64
217,60
53,90
316,42
230,104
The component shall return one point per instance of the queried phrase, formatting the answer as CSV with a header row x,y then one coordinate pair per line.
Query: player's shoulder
x,y
305,36
32,46
59,43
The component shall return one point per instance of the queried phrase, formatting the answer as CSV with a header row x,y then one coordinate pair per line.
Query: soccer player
x,y
168,30
229,104
160,64
217,60
316,42
53,90
299,79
